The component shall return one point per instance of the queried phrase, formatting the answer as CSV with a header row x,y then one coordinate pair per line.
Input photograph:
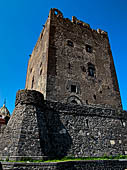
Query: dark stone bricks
x,y
54,130
73,54
72,165
29,97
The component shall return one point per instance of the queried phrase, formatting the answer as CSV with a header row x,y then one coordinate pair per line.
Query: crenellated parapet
x,y
57,13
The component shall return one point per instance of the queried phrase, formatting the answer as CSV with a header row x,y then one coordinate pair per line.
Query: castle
x,y
73,63
71,104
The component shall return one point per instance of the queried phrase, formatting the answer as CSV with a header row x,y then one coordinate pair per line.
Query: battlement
x,y
57,13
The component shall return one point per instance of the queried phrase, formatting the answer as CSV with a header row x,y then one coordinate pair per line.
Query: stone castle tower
x,y
73,63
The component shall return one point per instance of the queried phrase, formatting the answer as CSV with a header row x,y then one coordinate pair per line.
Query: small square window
x,y
73,89
89,48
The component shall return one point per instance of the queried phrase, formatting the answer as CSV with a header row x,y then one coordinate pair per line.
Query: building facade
x,y
73,63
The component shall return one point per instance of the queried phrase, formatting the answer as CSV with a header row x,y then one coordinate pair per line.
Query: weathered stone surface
x,y
65,55
54,130
29,97
26,133
74,165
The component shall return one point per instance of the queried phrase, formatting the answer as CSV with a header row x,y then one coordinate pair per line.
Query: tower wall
x,y
71,64
38,62
77,65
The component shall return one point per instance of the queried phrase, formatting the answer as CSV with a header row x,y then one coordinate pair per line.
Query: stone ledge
x,y
29,97
87,110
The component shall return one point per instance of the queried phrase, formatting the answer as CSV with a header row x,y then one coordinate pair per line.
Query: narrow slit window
x,y
31,70
40,64
87,123
69,66
40,71
94,96
32,82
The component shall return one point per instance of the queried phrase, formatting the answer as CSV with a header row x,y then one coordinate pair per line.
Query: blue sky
x,y
21,23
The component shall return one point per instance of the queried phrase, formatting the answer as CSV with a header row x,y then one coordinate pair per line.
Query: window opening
x,y
40,71
40,64
83,69
94,96
89,48
69,65
70,43
74,102
32,82
87,123
31,70
91,69
73,89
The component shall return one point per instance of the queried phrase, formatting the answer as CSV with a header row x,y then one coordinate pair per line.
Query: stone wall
x,y
74,165
37,66
86,131
71,62
41,129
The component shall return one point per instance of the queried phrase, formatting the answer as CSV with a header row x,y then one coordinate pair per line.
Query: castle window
x,y
70,43
32,82
86,101
73,89
40,71
87,123
94,96
83,69
91,69
40,64
31,70
69,65
88,48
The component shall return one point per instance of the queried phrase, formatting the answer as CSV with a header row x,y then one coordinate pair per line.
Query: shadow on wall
x,y
58,138
1,167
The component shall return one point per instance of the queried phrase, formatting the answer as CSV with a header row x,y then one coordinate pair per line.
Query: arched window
x,y
74,100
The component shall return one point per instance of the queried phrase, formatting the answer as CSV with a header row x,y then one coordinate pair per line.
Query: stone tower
x,y
73,63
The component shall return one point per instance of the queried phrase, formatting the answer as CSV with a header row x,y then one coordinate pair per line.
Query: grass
x,y
105,157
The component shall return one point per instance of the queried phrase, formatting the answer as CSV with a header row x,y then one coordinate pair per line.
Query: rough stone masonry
x,y
72,63
41,129
77,109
